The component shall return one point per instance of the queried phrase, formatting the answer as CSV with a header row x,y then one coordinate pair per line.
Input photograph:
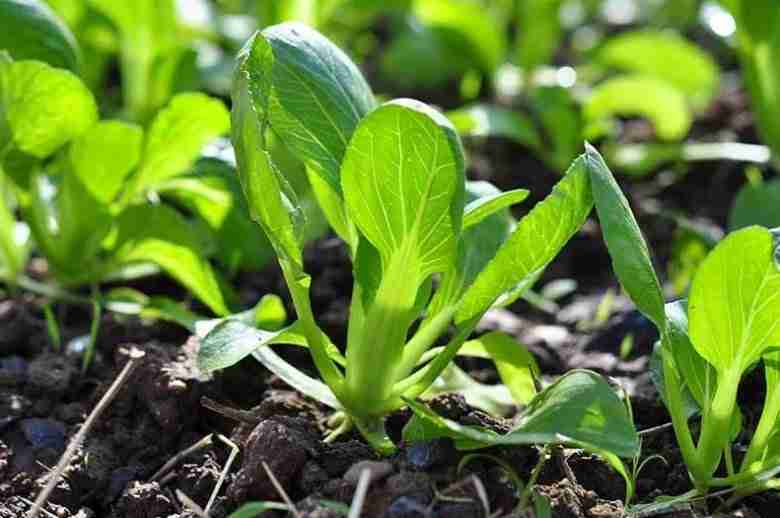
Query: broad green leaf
x,y
158,234
644,96
536,241
403,183
539,33
580,409
232,340
627,247
486,120
516,366
44,107
269,199
177,136
309,92
756,205
32,31
666,56
102,157
733,306
485,206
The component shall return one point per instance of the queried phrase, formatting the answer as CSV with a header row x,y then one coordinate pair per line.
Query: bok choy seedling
x,y
430,256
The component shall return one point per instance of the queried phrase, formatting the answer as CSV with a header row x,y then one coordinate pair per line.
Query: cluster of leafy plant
x,y
431,252
109,200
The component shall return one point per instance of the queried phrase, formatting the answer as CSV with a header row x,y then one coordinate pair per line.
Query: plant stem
x,y
526,494
413,386
425,337
764,430
716,425
52,291
299,291
677,412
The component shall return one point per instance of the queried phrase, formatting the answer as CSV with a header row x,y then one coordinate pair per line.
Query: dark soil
x,y
44,397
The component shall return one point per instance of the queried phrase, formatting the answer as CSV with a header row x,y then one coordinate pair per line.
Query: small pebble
x,y
44,433
406,507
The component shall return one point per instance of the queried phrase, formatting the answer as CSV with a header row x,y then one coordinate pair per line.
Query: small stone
x,y
422,456
406,507
378,470
44,433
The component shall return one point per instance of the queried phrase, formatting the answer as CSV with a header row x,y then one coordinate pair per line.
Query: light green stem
x,y
425,337
764,430
716,425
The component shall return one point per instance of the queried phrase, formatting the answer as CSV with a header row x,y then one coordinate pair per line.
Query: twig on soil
x,y
359,498
655,429
134,355
481,493
242,416
203,443
190,504
283,493
232,457
563,464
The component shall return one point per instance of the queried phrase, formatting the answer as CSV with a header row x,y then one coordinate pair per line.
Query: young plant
x,y
730,322
428,250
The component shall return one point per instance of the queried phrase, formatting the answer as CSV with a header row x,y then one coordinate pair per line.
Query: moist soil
x,y
166,406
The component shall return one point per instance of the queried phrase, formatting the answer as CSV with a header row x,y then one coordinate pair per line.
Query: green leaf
x,y
539,33
486,120
756,205
308,91
269,199
484,206
667,56
494,399
733,310
580,409
645,96
536,241
102,157
44,107
759,50
177,136
213,192
14,237
34,32
627,247
232,340
253,509
561,118
403,183
465,25
133,302
516,366
158,234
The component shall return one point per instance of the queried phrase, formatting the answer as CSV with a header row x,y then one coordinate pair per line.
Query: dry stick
x,y
242,416
281,491
359,498
135,355
481,493
206,441
233,453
